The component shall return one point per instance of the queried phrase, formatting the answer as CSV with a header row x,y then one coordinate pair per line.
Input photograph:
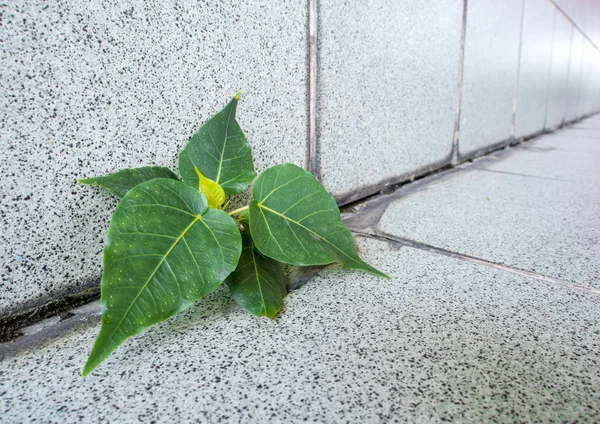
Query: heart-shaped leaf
x,y
220,151
165,249
295,221
258,284
120,182
214,192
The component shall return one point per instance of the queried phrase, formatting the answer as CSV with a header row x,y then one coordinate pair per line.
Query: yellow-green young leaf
x,y
220,151
258,284
165,249
120,182
295,221
214,192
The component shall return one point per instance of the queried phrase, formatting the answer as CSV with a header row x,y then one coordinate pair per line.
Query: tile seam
x,y
575,26
520,50
580,79
313,146
549,83
461,65
525,175
472,259
568,74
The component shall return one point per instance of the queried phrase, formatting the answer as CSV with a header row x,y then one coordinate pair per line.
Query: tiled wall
x,y
92,87
89,88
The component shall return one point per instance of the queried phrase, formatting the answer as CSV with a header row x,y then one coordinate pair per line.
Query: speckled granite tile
x,y
574,85
534,67
537,210
385,108
490,72
559,72
567,155
89,88
442,340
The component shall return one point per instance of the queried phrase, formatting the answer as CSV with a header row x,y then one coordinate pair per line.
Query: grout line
x,y
514,114
473,259
524,175
485,153
313,146
461,65
580,79
574,24
568,74
549,84
17,320
584,128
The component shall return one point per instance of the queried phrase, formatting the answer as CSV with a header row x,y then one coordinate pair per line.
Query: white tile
x,y
575,72
559,74
534,67
388,76
490,73
587,96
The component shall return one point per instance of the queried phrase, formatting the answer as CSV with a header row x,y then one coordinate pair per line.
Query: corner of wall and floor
x,y
413,87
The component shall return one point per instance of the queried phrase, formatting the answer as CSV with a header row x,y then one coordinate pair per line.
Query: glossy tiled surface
x,y
385,108
489,74
534,67
575,71
559,72
442,340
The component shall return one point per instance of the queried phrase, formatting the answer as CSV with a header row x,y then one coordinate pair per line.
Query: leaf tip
x,y
379,273
238,95
87,369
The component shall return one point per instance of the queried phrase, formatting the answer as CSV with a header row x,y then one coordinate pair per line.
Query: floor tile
x,y
443,339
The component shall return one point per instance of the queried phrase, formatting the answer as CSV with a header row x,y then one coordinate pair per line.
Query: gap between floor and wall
x,y
60,305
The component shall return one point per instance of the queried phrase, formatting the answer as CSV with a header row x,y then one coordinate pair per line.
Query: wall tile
x,y
559,73
574,9
490,73
575,71
596,82
593,21
586,95
534,68
388,74
92,87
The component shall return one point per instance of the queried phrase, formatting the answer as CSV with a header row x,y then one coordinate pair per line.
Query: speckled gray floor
x,y
443,339
537,209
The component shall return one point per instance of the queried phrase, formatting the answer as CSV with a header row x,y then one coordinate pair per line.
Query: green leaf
x,y
258,284
295,221
120,182
165,249
214,192
220,151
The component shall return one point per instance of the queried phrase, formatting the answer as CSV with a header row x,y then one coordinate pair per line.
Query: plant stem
x,y
245,208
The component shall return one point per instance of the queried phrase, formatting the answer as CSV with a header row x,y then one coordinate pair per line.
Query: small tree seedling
x,y
170,241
